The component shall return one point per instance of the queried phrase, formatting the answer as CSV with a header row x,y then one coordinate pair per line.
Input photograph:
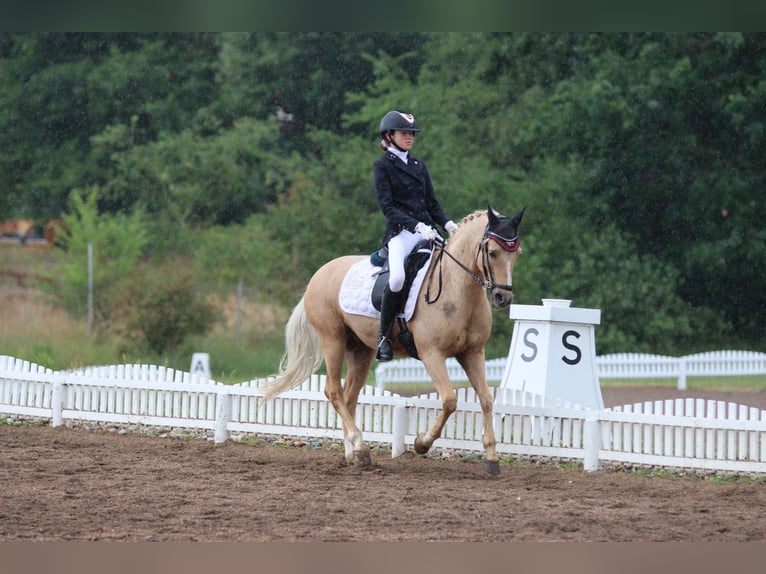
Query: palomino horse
x,y
454,322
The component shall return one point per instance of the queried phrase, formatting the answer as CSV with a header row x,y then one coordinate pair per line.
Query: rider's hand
x,y
426,231
450,227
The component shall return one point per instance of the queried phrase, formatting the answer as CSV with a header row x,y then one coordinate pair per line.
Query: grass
x,y
35,330
59,342
733,383
737,383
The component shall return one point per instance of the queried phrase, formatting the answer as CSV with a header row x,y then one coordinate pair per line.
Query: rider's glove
x,y
426,231
450,227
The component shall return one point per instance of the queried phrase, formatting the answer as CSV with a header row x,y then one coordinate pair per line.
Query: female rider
x,y
406,196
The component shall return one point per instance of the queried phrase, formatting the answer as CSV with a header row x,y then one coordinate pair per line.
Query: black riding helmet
x,y
398,121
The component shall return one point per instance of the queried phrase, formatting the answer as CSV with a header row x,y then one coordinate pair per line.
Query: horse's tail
x,y
302,355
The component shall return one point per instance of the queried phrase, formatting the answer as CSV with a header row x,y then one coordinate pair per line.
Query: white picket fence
x,y
687,433
614,366
408,371
710,364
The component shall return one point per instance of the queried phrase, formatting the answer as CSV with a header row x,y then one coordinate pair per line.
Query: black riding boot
x,y
390,307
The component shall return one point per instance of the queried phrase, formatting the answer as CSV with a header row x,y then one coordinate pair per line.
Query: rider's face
x,y
403,139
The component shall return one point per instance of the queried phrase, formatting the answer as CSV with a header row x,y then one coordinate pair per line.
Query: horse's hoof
x,y
491,466
420,446
362,458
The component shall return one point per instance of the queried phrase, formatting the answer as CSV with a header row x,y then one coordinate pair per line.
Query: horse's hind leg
x,y
475,368
356,451
359,360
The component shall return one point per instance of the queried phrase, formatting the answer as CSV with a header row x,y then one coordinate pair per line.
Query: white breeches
x,y
399,247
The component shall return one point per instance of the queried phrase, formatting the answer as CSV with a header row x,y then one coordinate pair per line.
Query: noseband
x,y
488,283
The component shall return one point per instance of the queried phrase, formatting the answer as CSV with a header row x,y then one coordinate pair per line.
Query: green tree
x,y
652,142
671,125
58,90
116,240
222,178
307,74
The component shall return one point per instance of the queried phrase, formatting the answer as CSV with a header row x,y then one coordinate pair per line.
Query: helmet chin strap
x,y
391,141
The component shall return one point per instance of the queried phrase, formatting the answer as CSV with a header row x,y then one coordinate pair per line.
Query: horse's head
x,y
499,249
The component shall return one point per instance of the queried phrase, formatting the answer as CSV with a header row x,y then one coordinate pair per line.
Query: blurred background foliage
x,y
639,156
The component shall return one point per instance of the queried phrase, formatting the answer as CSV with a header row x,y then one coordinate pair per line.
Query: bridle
x,y
511,245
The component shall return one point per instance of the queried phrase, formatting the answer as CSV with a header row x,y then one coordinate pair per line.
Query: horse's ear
x,y
517,218
491,217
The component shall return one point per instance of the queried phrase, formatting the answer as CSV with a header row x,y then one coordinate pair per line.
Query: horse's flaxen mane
x,y
475,214
471,216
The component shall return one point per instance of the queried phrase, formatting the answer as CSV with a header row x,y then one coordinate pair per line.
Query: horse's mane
x,y
471,216
474,215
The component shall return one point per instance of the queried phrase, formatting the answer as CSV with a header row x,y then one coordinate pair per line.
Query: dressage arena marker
x,y
553,352
200,365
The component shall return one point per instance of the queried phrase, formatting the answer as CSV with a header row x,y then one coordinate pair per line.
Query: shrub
x,y
164,307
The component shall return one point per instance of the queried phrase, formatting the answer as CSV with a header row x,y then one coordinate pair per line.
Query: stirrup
x,y
385,350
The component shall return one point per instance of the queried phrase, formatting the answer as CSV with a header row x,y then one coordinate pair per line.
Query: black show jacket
x,y
405,195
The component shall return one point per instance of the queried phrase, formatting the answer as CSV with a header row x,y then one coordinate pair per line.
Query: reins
x,y
487,284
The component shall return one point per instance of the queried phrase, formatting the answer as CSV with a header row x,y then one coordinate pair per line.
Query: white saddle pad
x,y
355,292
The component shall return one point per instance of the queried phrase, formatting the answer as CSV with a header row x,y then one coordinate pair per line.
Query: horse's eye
x,y
492,253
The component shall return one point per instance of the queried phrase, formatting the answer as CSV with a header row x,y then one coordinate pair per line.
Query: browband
x,y
511,244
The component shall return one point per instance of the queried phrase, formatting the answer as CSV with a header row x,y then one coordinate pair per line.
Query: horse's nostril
x,y
501,300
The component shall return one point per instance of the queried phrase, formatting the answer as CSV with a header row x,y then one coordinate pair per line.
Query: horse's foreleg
x,y
437,368
356,451
475,368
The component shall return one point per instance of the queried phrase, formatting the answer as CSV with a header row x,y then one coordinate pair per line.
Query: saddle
x,y
413,263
